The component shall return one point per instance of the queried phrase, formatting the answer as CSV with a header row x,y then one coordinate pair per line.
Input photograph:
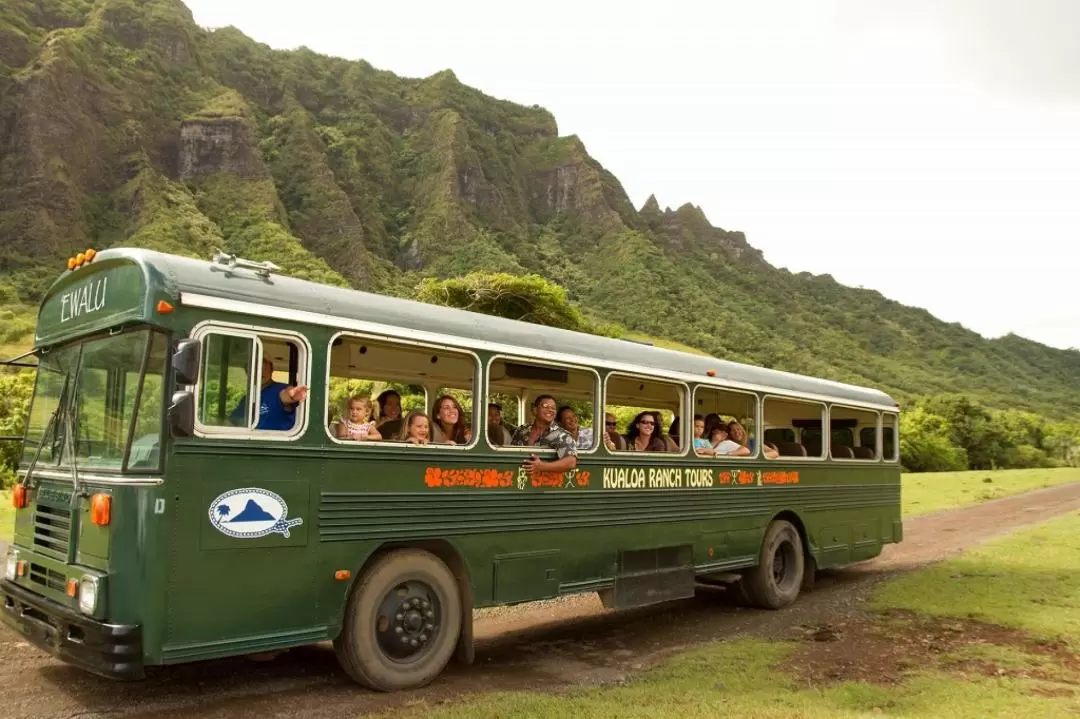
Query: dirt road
x,y
546,645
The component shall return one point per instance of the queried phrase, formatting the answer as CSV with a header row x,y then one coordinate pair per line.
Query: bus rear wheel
x,y
776,580
401,623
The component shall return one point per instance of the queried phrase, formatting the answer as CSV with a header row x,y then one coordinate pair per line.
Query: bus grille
x,y
47,577
52,530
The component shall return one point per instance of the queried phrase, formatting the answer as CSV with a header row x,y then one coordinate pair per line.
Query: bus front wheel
x,y
401,623
778,576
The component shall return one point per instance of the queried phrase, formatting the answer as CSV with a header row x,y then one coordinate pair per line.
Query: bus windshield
x,y
108,394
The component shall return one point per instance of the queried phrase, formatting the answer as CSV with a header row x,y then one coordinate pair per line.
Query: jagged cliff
x,y
122,122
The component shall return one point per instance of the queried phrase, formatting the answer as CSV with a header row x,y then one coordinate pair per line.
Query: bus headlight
x,y
12,566
88,594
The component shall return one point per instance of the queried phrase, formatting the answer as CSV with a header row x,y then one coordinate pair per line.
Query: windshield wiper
x,y
69,430
45,436
26,480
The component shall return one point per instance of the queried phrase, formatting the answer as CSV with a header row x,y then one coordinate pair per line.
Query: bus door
x,y
240,575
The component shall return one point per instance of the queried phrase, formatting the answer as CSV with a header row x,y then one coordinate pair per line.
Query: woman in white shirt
x,y
722,445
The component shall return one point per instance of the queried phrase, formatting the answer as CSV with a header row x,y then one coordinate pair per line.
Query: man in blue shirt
x,y
277,402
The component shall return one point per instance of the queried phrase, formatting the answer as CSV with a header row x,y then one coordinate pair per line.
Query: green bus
x,y
197,483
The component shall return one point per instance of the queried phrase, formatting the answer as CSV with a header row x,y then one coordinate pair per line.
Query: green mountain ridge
x,y
124,123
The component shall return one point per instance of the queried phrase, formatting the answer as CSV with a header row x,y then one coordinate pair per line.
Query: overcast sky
x,y
929,149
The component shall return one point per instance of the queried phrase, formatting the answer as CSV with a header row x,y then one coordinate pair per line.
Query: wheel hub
x,y
407,620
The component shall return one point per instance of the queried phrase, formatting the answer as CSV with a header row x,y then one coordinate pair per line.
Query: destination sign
x,y
93,298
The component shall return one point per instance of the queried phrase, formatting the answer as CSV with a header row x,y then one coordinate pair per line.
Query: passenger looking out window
x,y
738,435
277,402
723,445
702,445
416,429
546,432
568,420
644,434
356,423
449,425
612,439
498,433
389,421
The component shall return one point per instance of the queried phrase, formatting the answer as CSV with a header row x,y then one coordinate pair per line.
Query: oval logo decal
x,y
251,512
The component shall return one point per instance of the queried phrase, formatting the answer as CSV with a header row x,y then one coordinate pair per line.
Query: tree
x,y
972,429
15,391
926,443
529,298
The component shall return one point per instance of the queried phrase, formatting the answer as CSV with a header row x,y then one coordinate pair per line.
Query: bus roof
x,y
208,284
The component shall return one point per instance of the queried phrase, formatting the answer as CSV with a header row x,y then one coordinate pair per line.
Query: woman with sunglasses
x,y
643,435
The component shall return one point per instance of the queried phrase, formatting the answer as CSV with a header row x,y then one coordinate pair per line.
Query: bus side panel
x,y
526,543
240,581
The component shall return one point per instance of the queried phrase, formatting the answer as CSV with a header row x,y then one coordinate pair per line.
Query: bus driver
x,y
277,402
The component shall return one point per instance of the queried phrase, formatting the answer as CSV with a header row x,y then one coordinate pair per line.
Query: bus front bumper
x,y
113,651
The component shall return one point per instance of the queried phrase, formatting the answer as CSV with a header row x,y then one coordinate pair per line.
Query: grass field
x,y
923,655
1030,582
939,491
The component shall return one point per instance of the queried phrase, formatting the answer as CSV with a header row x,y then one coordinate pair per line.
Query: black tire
x,y
776,580
402,622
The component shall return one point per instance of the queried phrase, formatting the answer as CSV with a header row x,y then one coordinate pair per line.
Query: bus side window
x,y
846,424
635,401
251,383
806,418
513,386
390,381
721,408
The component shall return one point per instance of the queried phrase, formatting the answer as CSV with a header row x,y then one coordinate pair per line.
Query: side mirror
x,y
182,414
185,361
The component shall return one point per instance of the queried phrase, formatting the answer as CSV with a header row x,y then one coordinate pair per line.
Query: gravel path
x,y
546,645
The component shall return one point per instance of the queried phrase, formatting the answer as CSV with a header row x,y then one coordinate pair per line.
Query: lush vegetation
x,y
951,432
130,125
15,391
931,660
528,298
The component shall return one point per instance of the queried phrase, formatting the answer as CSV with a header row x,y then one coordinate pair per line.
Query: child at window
x,y
356,423
416,429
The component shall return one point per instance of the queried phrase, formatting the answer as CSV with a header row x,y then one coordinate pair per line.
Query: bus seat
x,y
863,452
842,451
790,449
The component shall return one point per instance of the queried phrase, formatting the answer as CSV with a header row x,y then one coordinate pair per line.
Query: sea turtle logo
x,y
251,512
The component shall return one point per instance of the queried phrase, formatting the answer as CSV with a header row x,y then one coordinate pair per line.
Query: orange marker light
x,y
91,253
72,587
164,307
80,258
342,574
20,568
101,509
711,372
18,496
71,263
